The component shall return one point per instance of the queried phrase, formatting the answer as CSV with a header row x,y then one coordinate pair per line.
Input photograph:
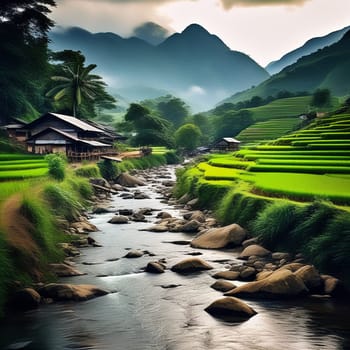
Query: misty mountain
x,y
151,32
327,68
193,65
309,47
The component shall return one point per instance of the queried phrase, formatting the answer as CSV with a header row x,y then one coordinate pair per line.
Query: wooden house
x,y
16,129
76,138
226,144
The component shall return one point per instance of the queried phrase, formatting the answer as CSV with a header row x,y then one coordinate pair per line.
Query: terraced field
x,y
20,166
308,164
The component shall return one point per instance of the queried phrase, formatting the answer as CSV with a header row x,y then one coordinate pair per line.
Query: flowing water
x,y
142,313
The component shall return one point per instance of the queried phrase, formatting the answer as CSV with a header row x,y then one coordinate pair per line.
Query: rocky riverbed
x,y
160,268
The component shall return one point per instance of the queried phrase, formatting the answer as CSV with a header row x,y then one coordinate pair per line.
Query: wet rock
x,y
100,182
163,215
119,219
184,199
292,267
334,287
156,228
280,284
191,226
230,309
179,242
64,270
71,292
310,277
247,274
195,215
281,256
194,253
221,237
132,254
100,210
192,203
127,180
118,187
227,275
254,250
69,249
223,286
125,212
140,195
146,211
127,196
190,265
25,299
155,267
84,226
168,183
249,242
138,217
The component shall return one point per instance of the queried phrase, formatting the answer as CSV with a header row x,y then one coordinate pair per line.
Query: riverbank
x,y
166,310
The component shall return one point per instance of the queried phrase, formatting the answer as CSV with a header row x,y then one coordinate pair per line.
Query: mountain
x,y
193,65
327,68
309,47
151,32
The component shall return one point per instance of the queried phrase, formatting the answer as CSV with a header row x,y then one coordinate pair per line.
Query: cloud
x,y
228,4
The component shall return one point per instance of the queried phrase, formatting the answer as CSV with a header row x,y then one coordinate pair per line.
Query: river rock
x,y
310,277
223,286
191,226
138,217
140,195
100,182
132,254
184,199
83,226
119,219
155,267
195,215
254,250
191,265
249,242
69,249
292,266
64,270
247,273
280,284
146,211
157,228
25,299
263,274
227,275
216,238
127,180
125,212
100,210
334,287
192,203
230,309
281,256
71,292
118,187
163,215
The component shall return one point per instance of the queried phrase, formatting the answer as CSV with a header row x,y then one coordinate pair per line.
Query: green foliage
x,y
172,157
188,137
108,169
88,171
174,109
56,166
79,90
64,201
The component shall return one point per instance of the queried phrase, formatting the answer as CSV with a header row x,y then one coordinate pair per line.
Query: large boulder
x,y
216,238
254,250
71,292
65,270
280,284
230,309
127,180
310,277
190,265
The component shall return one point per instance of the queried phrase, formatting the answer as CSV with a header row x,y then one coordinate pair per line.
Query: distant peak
x,y
195,28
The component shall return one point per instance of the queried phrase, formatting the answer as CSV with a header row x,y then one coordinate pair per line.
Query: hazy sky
x,y
263,29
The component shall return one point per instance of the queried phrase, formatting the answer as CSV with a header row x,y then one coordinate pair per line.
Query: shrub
x,y
108,169
88,171
56,166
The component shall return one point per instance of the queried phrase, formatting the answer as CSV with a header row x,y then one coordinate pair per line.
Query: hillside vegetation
x,y
291,193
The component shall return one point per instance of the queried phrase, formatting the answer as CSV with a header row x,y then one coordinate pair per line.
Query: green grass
x,y
22,174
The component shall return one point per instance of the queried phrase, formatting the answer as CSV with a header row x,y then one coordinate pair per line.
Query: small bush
x,y
88,171
56,166
108,170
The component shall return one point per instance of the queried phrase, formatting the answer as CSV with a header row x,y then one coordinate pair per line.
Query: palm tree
x,y
77,85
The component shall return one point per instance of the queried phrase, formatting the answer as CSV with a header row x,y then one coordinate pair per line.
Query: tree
x,y
149,129
321,98
175,110
188,137
23,55
77,87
